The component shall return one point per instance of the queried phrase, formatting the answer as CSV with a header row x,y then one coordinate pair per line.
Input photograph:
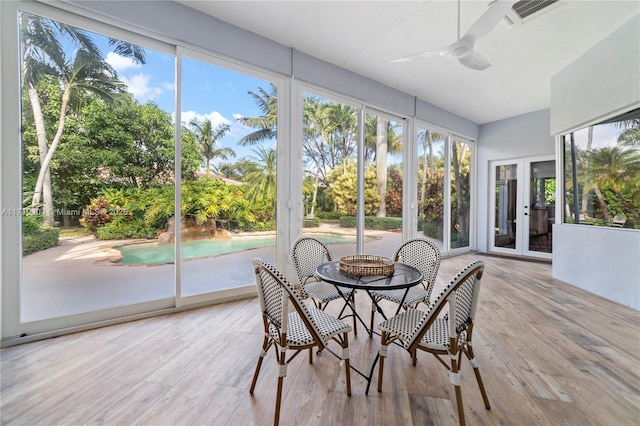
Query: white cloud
x,y
139,86
120,63
215,117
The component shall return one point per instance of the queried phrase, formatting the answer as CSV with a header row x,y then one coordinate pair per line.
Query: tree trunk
x,y
603,205
315,193
52,149
588,182
423,186
381,165
47,194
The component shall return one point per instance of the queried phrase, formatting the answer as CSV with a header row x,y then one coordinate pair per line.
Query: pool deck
x,y
79,275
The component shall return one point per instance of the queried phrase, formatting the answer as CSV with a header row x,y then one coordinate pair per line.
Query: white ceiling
x,y
363,36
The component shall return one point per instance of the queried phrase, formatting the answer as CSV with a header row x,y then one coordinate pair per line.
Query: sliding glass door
x,y
97,157
228,197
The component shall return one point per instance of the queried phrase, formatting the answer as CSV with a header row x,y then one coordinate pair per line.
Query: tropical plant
x,y
343,189
43,54
262,180
208,140
266,124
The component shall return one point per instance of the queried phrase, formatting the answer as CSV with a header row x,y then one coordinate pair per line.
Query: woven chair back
x,y
423,255
461,296
275,292
306,255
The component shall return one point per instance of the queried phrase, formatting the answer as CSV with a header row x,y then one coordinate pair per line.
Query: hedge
x,y
373,222
40,239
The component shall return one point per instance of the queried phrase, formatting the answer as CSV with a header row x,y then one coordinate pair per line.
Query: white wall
x,y
601,260
525,135
605,80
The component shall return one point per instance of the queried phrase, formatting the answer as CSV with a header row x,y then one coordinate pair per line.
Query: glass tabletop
x,y
404,276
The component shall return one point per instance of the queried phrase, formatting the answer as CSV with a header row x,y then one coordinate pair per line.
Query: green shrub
x,y
260,226
31,222
40,239
329,215
373,222
431,229
311,222
121,228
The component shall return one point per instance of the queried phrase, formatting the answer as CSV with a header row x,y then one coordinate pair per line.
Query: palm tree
x,y
42,54
87,73
266,123
616,168
208,138
262,181
381,138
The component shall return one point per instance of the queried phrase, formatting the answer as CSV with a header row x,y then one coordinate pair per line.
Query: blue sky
x,y
208,91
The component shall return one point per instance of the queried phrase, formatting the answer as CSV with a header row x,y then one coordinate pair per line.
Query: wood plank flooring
x,y
549,354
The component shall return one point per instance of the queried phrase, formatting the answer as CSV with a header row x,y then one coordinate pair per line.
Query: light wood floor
x,y
549,354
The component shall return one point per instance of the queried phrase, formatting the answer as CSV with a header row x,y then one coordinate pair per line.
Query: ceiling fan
x,y
462,49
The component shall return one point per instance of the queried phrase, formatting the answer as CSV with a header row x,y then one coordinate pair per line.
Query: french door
x,y
522,206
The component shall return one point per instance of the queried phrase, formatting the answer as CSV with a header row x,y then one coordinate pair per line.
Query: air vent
x,y
526,10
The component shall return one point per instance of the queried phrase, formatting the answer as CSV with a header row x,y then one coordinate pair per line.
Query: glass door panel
x,y
542,200
460,193
506,203
383,147
431,184
522,206
228,188
329,157
95,166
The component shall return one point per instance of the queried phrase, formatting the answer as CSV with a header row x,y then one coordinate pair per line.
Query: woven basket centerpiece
x,y
366,264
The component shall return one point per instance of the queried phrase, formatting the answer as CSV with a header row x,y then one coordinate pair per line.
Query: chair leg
x,y
347,366
476,370
454,377
282,364
383,355
310,355
276,416
373,312
265,347
353,311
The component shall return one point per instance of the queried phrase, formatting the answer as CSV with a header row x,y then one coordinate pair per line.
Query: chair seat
x,y
405,324
299,335
325,292
414,296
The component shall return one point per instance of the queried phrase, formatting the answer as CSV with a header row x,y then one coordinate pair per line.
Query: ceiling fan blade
x,y
475,61
417,56
489,19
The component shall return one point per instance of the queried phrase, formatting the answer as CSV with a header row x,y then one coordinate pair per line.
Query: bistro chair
x,y
423,255
294,329
447,335
306,255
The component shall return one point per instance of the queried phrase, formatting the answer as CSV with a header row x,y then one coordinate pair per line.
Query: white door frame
x,y
522,214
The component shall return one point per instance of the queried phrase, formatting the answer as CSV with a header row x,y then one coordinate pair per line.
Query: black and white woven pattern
x,y
306,255
276,290
412,323
423,255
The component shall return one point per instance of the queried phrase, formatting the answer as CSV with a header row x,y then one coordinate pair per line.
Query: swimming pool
x,y
154,254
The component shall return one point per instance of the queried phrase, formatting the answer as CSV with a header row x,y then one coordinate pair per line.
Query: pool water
x,y
154,254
